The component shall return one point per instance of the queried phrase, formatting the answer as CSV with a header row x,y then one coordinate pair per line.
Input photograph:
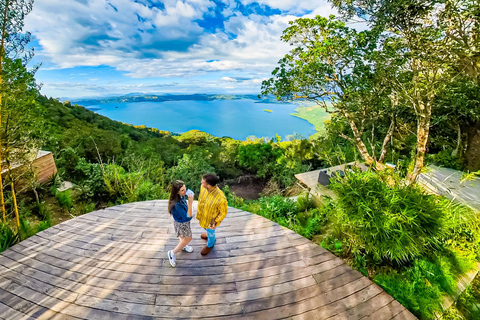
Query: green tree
x,y
21,122
12,45
437,40
331,62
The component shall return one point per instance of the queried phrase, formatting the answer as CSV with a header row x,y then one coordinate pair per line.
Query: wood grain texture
x,y
112,264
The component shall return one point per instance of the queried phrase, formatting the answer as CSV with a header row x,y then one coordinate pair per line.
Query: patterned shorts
x,y
182,229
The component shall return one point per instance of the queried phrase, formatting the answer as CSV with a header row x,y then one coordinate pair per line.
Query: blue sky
x,y
94,48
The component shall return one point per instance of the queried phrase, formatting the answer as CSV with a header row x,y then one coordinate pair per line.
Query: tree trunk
x,y
383,152
423,129
359,142
472,154
459,141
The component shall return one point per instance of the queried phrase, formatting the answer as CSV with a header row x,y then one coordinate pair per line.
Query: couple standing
x,y
212,209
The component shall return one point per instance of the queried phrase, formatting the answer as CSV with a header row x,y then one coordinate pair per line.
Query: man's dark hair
x,y
211,179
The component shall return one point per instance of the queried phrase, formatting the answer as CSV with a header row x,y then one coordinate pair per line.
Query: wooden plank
x,y
388,311
112,264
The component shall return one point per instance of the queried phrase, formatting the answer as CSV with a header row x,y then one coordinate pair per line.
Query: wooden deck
x,y
112,264
449,183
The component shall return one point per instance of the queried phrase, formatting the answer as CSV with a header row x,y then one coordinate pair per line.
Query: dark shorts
x,y
182,229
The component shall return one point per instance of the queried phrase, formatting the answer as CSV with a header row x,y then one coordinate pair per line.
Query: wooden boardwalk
x,y
112,264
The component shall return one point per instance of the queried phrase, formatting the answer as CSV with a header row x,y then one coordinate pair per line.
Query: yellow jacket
x,y
212,207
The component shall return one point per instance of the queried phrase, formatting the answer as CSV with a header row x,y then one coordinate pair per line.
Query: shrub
x,y
421,287
277,208
445,159
305,201
131,186
397,223
26,230
469,301
8,237
65,199
271,189
42,211
43,225
312,222
83,208
190,169
232,199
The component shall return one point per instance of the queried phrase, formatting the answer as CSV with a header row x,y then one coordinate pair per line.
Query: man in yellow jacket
x,y
212,209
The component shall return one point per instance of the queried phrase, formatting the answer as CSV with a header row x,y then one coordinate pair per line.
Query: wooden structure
x,y
449,183
315,180
112,264
44,166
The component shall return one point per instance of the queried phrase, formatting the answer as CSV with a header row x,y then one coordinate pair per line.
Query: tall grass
x,y
389,223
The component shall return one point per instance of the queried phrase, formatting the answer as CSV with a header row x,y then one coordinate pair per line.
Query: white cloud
x,y
167,40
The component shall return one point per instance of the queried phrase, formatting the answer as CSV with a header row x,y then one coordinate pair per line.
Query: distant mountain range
x,y
171,97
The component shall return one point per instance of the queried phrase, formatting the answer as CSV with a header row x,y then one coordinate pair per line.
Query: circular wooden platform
x,y
112,264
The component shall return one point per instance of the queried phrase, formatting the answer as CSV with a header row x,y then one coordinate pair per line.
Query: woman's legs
x,y
181,244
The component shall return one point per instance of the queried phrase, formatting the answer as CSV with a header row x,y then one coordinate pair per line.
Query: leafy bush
x,y
259,157
65,199
305,201
26,230
42,210
421,287
232,199
90,176
131,186
311,222
445,159
190,169
83,208
468,304
397,223
8,237
43,225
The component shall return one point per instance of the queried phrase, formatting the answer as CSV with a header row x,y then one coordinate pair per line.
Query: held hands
x,y
212,225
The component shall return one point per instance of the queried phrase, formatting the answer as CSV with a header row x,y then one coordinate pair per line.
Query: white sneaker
x,y
187,248
171,258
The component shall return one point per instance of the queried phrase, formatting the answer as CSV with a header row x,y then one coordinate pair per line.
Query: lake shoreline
x,y
239,119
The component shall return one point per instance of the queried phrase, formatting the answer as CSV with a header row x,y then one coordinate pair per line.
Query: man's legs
x,y
211,237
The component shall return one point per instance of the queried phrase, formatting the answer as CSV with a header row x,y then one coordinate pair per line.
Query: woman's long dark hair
x,y
174,196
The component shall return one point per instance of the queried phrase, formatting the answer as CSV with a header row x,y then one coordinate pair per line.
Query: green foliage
x,y
394,223
259,157
43,225
445,159
90,177
311,222
136,185
8,237
421,287
232,199
83,208
305,201
26,230
468,304
42,210
65,199
190,169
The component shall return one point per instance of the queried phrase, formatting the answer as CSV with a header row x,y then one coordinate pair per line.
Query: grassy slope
x,y
314,114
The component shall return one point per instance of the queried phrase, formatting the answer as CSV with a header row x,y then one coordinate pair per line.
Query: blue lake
x,y
238,119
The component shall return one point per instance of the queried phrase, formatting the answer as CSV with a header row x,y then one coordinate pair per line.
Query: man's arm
x,y
222,211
